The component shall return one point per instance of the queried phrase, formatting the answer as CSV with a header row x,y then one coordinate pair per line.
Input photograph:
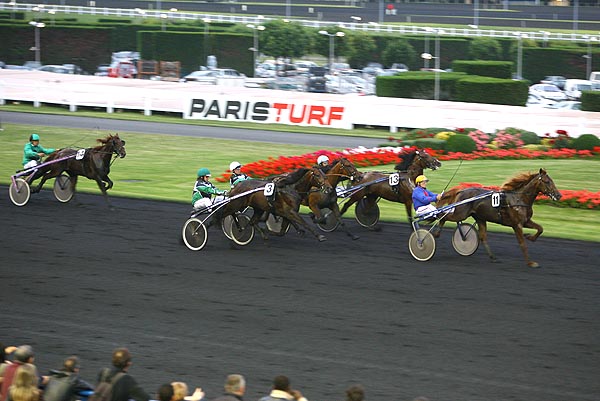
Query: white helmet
x,y
234,165
322,159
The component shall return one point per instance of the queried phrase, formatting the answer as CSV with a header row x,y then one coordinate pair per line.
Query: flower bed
x,y
365,157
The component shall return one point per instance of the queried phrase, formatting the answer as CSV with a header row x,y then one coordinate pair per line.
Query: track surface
x,y
78,278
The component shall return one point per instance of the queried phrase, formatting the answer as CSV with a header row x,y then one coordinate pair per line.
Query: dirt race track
x,y
80,279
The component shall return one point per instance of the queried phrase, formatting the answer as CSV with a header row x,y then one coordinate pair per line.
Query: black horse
x,y
92,163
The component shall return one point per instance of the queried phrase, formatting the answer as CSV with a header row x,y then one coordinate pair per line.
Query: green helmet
x,y
34,137
203,172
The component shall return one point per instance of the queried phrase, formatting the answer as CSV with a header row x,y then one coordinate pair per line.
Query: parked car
x,y
316,81
102,70
211,77
557,80
547,91
538,101
266,70
566,105
122,69
574,87
303,66
57,69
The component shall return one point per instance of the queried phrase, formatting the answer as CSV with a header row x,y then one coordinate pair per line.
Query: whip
x,y
453,175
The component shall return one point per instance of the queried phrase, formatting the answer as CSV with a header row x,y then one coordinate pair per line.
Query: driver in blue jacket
x,y
422,197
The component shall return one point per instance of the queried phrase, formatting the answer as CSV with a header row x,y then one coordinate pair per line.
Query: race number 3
x,y
80,154
269,189
496,199
394,179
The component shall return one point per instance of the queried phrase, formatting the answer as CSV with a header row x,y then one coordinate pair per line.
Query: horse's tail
x,y
449,196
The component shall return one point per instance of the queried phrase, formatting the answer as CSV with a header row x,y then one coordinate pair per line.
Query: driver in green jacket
x,y
204,190
33,152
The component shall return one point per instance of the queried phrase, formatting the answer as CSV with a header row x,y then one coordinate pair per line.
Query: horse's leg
x,y
482,227
109,181
256,217
409,207
532,224
294,217
518,229
351,201
338,216
103,189
49,174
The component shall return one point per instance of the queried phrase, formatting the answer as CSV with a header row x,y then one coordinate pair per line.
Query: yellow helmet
x,y
420,179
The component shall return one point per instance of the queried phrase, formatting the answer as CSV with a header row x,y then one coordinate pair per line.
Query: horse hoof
x,y
355,237
375,228
533,265
322,238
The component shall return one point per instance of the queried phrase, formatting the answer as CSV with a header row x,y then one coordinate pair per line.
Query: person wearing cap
x,y
33,152
323,163
236,173
204,190
422,197
65,384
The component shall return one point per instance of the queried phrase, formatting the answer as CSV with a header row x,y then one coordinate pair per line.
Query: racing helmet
x,y
234,165
420,179
322,159
203,172
34,137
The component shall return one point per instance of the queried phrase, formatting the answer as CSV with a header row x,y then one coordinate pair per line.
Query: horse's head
x,y
117,145
316,178
426,160
347,169
546,186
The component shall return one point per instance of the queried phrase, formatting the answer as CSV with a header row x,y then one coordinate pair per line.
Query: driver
x,y
33,152
204,190
323,163
236,173
422,198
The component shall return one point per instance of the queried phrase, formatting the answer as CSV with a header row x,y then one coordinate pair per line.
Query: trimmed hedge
x,y
590,101
474,89
484,68
417,85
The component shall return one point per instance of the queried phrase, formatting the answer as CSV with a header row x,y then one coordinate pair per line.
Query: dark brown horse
x,y
285,201
92,163
376,184
513,207
341,169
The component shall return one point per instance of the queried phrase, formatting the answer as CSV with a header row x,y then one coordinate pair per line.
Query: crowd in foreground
x,y
21,381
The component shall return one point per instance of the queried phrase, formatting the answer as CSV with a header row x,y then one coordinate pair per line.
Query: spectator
x,y
282,391
124,387
24,386
181,392
23,355
355,393
65,384
165,393
235,387
4,352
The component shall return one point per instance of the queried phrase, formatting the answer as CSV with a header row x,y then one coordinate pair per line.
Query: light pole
x,y
255,28
588,57
163,18
206,29
476,12
428,56
288,9
520,37
331,48
37,26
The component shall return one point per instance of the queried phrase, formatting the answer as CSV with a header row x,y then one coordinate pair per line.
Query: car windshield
x,y
550,88
202,74
584,87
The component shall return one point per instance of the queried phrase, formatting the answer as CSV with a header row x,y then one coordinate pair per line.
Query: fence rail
x,y
138,13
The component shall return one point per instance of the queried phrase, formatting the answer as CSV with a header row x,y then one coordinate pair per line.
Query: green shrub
x,y
430,143
590,101
585,142
460,143
527,137
421,133
475,89
494,69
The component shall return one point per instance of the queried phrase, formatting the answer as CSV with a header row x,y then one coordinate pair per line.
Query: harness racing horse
x,y
285,201
515,207
92,163
376,184
341,169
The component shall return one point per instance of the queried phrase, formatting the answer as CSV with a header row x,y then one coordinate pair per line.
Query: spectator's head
x,y
355,393
24,354
165,392
25,376
235,384
121,358
71,364
281,383
180,390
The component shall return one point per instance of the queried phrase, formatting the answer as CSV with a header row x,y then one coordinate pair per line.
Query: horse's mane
x,y
104,141
290,178
518,181
406,160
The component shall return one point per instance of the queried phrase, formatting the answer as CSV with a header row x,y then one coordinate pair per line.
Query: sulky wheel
x,y
465,239
366,214
275,224
194,234
330,223
19,192
421,245
242,232
226,224
63,188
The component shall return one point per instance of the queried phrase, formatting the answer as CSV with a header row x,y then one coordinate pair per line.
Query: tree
x,y
360,50
285,39
398,51
485,49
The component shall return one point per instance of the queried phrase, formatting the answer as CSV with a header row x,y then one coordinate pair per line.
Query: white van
x,y
574,87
